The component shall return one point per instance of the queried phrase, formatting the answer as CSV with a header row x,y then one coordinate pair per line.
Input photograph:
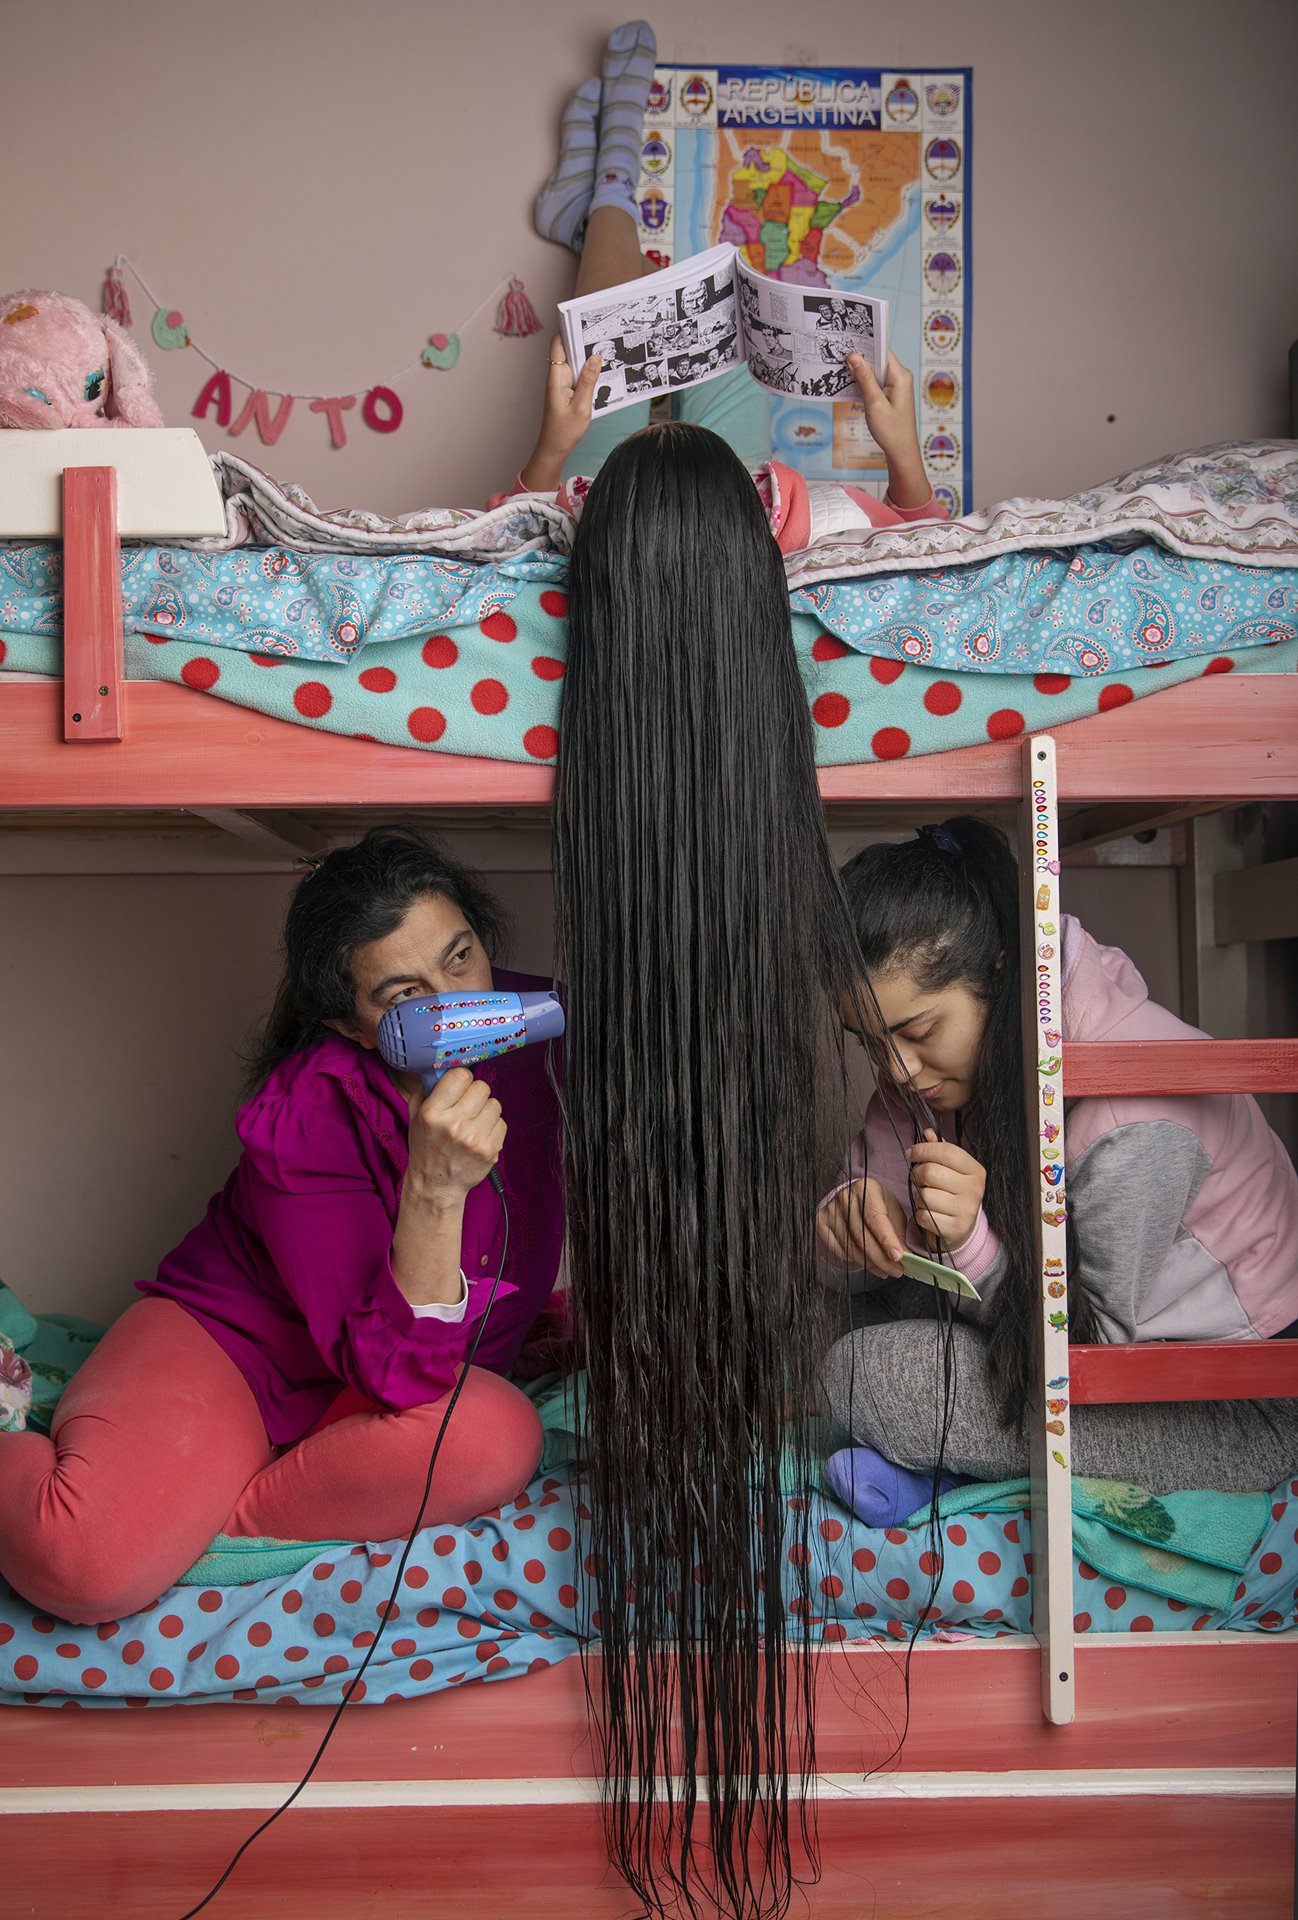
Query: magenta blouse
x,y
290,1268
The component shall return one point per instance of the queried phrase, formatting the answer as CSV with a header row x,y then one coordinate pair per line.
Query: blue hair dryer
x,y
459,1029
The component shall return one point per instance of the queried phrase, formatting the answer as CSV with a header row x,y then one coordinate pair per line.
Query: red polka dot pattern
x,y
886,671
554,603
1116,695
547,668
830,709
542,743
439,650
890,743
312,699
377,679
1052,682
499,626
202,674
426,724
943,697
909,1583
489,696
826,647
1005,724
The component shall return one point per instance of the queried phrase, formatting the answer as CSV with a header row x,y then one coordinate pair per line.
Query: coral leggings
x,y
158,1445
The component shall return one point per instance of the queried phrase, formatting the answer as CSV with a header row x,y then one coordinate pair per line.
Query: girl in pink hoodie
x,y
1183,1213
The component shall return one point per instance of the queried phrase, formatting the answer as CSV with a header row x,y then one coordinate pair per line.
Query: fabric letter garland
x,y
270,410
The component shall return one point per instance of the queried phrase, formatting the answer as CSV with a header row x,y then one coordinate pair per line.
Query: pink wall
x,y
115,1131
116,1123
320,187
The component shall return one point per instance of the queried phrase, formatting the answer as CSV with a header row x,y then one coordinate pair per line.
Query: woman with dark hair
x,y
1183,1213
704,942
288,1372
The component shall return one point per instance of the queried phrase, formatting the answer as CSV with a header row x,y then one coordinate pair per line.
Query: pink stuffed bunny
x,y
63,366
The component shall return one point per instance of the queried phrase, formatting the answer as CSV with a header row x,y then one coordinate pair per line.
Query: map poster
x,y
832,177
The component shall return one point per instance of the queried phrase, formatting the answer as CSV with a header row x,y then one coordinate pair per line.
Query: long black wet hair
x,y
944,908
353,895
703,938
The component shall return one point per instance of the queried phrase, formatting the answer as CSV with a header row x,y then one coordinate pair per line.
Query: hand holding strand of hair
x,y
948,1185
865,1225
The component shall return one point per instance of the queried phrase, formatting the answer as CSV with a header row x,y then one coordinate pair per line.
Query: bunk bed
x,y
1152,1768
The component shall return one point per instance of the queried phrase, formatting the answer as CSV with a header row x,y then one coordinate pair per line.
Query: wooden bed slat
x,y
1135,1068
1223,1700
1179,1857
92,606
1189,1370
1238,742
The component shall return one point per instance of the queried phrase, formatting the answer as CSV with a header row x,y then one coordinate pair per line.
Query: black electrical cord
x,y
390,1606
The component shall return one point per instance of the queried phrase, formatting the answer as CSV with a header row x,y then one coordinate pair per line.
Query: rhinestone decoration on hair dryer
x,y
427,1036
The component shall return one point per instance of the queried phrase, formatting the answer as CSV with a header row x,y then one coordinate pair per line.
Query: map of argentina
x,y
832,177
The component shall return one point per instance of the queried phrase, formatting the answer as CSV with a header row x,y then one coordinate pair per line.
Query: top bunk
x,y
164,708
1234,738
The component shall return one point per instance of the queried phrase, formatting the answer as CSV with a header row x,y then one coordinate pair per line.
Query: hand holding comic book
x,y
709,314
890,416
564,418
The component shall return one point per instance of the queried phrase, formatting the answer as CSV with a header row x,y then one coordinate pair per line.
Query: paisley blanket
x,y
1237,502
1089,610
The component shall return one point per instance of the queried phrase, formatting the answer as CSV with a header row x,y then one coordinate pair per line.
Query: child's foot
x,y
628,73
877,1491
564,201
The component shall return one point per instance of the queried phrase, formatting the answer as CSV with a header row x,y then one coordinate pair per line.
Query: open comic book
x,y
709,314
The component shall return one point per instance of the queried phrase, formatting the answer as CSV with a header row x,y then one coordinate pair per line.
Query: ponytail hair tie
x,y
941,837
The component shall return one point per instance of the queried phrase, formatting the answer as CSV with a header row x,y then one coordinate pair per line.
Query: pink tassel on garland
x,y
517,316
115,303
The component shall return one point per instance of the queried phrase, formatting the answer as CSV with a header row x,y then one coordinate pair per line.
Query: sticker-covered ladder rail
x,y
1100,1375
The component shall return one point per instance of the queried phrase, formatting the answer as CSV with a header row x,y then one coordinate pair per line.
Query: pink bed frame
x,y
1166,1793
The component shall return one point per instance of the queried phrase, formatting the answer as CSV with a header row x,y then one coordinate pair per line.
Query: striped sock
x,y
564,201
627,77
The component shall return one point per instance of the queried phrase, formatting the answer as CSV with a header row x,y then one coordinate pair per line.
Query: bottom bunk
x,y
1172,1795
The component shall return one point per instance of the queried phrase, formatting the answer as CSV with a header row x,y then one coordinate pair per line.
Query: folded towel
x,y
1189,1546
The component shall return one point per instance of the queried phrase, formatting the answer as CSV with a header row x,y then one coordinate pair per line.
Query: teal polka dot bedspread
x,y
492,686
506,1595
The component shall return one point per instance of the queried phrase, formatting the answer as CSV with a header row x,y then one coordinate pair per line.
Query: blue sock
x,y
564,201
625,80
879,1492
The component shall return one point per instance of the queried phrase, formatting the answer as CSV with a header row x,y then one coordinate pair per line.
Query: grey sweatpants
x,y
885,1387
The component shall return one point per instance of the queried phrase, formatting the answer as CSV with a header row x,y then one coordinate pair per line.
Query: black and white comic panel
x,y
668,339
798,341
